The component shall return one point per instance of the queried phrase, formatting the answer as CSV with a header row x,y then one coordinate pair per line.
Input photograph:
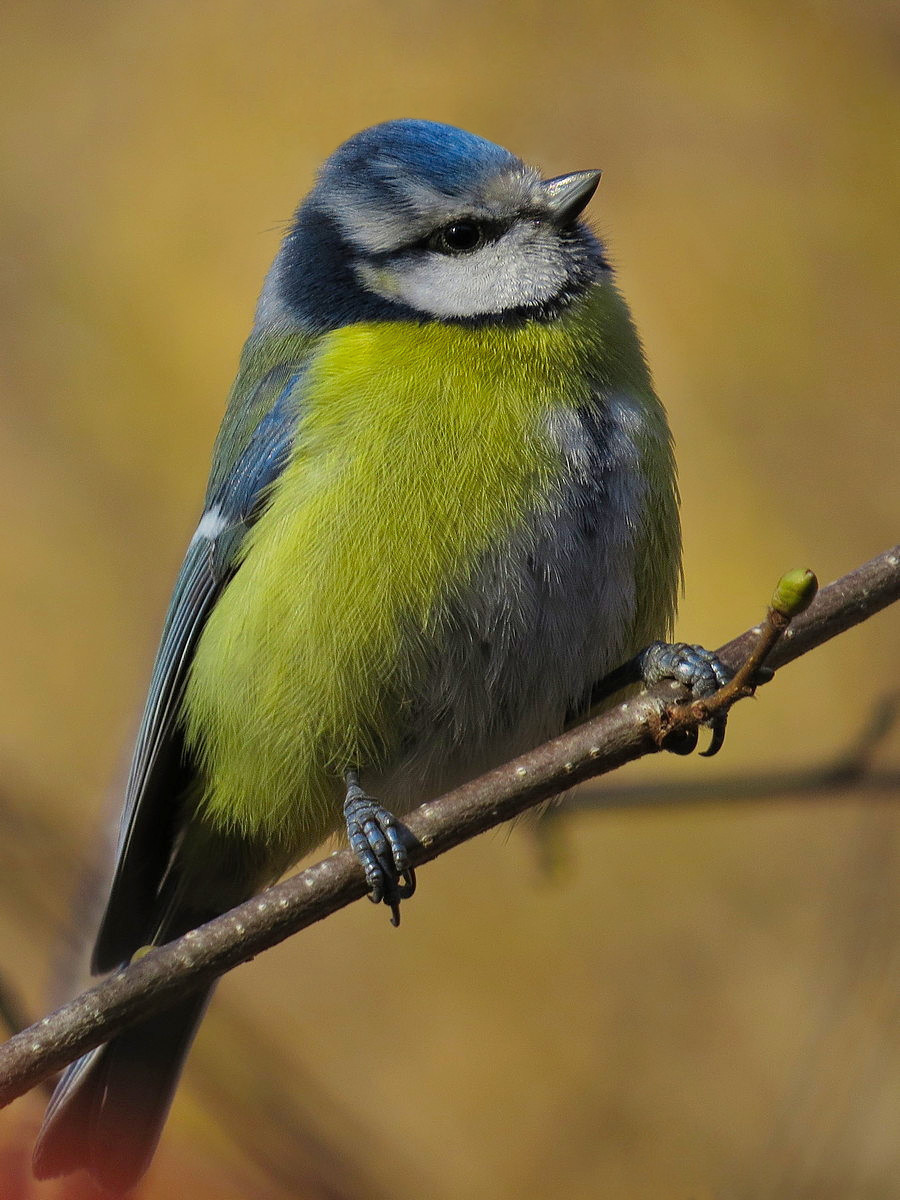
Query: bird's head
x,y
421,220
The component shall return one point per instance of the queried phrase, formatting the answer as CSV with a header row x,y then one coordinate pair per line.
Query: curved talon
x,y
717,725
400,889
376,838
697,669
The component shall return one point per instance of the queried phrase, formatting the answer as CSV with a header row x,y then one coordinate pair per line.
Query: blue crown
x,y
409,151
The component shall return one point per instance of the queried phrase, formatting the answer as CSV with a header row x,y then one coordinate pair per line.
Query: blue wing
x,y
160,771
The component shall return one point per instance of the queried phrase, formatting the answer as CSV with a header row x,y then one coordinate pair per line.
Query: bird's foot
x,y
375,837
695,668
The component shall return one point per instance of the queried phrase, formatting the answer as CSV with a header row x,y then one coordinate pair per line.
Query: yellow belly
x,y
419,448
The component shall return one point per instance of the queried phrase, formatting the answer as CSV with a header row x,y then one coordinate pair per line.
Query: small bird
x,y
442,510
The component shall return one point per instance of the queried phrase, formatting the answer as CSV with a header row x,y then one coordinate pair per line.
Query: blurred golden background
x,y
700,1001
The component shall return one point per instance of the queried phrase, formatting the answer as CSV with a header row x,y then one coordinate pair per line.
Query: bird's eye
x,y
460,237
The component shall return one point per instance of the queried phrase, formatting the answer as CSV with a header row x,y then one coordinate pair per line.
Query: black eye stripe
x,y
465,234
489,230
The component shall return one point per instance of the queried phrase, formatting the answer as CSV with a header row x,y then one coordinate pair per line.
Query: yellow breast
x,y
419,447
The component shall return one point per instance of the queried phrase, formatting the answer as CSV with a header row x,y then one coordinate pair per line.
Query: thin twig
x,y
794,594
622,734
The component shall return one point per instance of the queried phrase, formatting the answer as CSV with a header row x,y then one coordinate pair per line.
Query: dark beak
x,y
567,195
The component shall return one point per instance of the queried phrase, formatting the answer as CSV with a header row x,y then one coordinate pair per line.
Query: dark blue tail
x,y
109,1107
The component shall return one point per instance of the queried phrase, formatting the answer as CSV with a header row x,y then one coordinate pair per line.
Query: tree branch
x,y
637,727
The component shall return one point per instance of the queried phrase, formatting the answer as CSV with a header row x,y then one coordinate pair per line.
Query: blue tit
x,y
442,509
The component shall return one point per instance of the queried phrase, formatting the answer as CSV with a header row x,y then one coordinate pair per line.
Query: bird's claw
x,y
376,838
701,672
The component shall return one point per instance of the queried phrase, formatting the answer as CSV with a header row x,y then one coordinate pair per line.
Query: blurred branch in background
x,y
852,768
703,1000
285,1125
621,735
288,1144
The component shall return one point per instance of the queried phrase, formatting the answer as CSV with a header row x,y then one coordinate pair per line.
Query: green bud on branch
x,y
794,593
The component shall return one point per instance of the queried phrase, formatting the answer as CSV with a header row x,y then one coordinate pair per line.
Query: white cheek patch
x,y
526,266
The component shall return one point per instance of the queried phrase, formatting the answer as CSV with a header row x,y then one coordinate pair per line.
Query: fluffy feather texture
x,y
340,620
442,506
390,185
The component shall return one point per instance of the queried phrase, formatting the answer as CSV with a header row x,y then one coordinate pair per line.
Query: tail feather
x,y
108,1110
